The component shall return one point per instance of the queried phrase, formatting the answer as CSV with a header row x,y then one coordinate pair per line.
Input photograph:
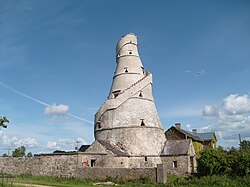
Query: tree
x,y
245,145
213,162
19,152
29,154
2,121
5,155
221,162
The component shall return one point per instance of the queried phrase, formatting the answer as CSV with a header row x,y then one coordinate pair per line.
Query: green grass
x,y
209,181
63,182
173,181
53,181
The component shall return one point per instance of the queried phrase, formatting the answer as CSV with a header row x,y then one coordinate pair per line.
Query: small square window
x,y
116,93
98,125
175,164
142,122
93,162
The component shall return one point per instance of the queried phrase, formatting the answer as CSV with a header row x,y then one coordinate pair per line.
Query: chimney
x,y
178,125
194,130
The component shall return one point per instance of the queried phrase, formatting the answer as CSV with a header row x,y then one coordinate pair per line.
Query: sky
x,y
57,59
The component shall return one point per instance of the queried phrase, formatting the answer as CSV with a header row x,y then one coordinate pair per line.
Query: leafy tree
x,y
2,121
58,151
5,155
19,152
213,162
219,161
245,145
29,154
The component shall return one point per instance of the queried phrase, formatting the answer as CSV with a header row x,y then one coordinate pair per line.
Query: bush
x,y
222,162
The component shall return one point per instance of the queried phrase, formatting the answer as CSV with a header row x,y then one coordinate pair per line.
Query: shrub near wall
x,y
219,161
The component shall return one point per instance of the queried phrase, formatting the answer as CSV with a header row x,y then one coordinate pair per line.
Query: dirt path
x,y
31,185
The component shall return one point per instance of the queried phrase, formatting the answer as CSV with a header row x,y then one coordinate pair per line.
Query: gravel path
x,y
31,185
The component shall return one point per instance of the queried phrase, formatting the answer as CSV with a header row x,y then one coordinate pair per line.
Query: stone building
x,y
128,120
199,140
178,157
127,129
209,138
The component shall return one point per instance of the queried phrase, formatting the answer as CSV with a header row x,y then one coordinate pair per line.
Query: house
x,y
209,138
200,140
176,133
178,157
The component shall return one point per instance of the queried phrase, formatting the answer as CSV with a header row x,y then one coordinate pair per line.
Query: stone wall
x,y
123,174
56,165
63,165
182,165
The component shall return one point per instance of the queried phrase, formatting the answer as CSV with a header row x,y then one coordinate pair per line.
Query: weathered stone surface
x,y
183,163
160,174
129,118
70,166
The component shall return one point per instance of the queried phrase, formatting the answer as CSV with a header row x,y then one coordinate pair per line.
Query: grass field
x,y
210,181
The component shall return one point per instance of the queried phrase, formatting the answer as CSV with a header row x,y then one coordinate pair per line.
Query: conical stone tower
x,y
128,118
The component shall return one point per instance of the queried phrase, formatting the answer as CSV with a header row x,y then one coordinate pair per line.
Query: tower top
x,y
130,38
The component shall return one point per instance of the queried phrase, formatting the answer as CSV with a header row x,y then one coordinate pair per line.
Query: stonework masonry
x,y
70,166
182,165
129,117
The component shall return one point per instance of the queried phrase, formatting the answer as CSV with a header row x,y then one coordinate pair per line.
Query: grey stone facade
x,y
178,157
69,166
129,118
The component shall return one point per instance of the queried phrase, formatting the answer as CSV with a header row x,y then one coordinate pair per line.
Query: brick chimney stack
x,y
194,130
178,125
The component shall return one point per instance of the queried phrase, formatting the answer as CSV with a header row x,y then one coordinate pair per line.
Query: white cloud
x,y
230,118
210,110
189,127
13,141
65,143
235,103
55,109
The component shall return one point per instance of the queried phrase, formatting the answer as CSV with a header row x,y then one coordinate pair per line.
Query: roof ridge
x,y
114,149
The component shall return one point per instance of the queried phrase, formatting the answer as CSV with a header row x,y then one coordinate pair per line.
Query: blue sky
x,y
57,59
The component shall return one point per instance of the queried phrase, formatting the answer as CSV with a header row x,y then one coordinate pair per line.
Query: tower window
x,y
98,125
142,122
146,159
130,52
126,70
175,164
140,94
116,93
92,162
143,71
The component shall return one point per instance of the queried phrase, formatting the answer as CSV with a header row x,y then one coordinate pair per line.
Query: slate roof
x,y
84,148
176,147
206,136
112,148
192,135
189,134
